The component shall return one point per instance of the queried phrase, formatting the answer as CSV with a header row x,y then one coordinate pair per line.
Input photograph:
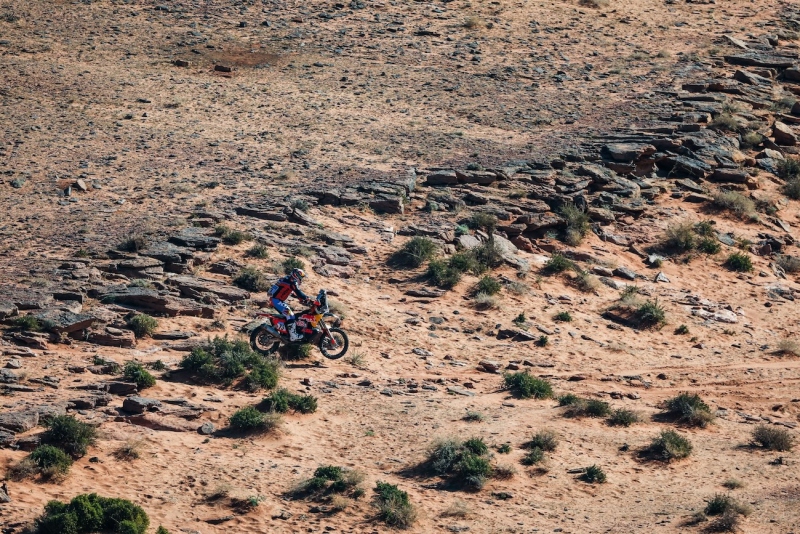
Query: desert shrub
x,y
476,417
588,408
689,409
725,121
594,474
568,399
719,504
727,522
773,438
586,281
300,204
629,293
790,264
545,440
563,317
257,251
298,351
161,530
709,245
252,279
557,264
533,456
682,330
474,23
505,448
464,262
262,375
733,483
442,275
789,347
488,285
292,263
231,236
679,237
135,372
735,202
504,472
134,243
788,168
483,221
576,224
414,252
89,513
27,323
222,361
485,301
283,400
668,446
466,464
739,262
142,325
394,507
472,470
68,434
650,314
249,419
46,460
751,139
623,417
792,189
525,386
130,450
487,255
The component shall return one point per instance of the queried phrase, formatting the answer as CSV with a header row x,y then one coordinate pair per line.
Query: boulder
x,y
121,388
206,429
137,405
750,78
624,272
468,242
153,301
195,238
7,309
387,204
600,215
265,214
783,134
477,177
19,421
793,75
300,217
7,376
729,176
425,293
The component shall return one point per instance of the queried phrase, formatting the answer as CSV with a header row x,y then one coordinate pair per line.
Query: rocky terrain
x,y
606,201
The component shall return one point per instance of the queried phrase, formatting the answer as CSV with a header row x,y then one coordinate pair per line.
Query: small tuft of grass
x,y
505,448
458,509
788,168
442,275
587,408
773,438
719,504
525,386
533,456
474,23
682,330
709,245
485,301
733,484
739,262
792,189
563,317
476,417
726,122
27,323
668,446
623,417
689,409
586,281
680,237
576,224
594,474
134,243
283,400
130,450
289,264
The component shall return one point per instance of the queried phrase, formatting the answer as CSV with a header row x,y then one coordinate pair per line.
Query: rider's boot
x,y
292,328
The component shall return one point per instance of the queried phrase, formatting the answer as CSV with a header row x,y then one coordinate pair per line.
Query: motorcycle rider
x,y
282,290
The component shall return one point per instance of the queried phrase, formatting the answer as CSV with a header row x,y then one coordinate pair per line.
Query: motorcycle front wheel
x,y
263,342
342,344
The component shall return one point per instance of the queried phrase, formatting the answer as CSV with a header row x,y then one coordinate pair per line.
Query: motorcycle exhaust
x,y
271,329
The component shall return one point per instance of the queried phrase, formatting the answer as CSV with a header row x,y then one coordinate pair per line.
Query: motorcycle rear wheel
x,y
342,341
263,342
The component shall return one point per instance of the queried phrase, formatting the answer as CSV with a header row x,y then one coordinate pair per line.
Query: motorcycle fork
x,y
328,334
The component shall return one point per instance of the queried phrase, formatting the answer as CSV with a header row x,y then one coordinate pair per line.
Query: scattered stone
x,y
19,421
138,405
460,391
206,429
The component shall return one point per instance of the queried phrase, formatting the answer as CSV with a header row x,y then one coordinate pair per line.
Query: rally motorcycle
x,y
332,341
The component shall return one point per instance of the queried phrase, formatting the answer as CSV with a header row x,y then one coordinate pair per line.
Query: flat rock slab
x,y
152,300
425,293
189,285
195,238
460,391
66,322
112,337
